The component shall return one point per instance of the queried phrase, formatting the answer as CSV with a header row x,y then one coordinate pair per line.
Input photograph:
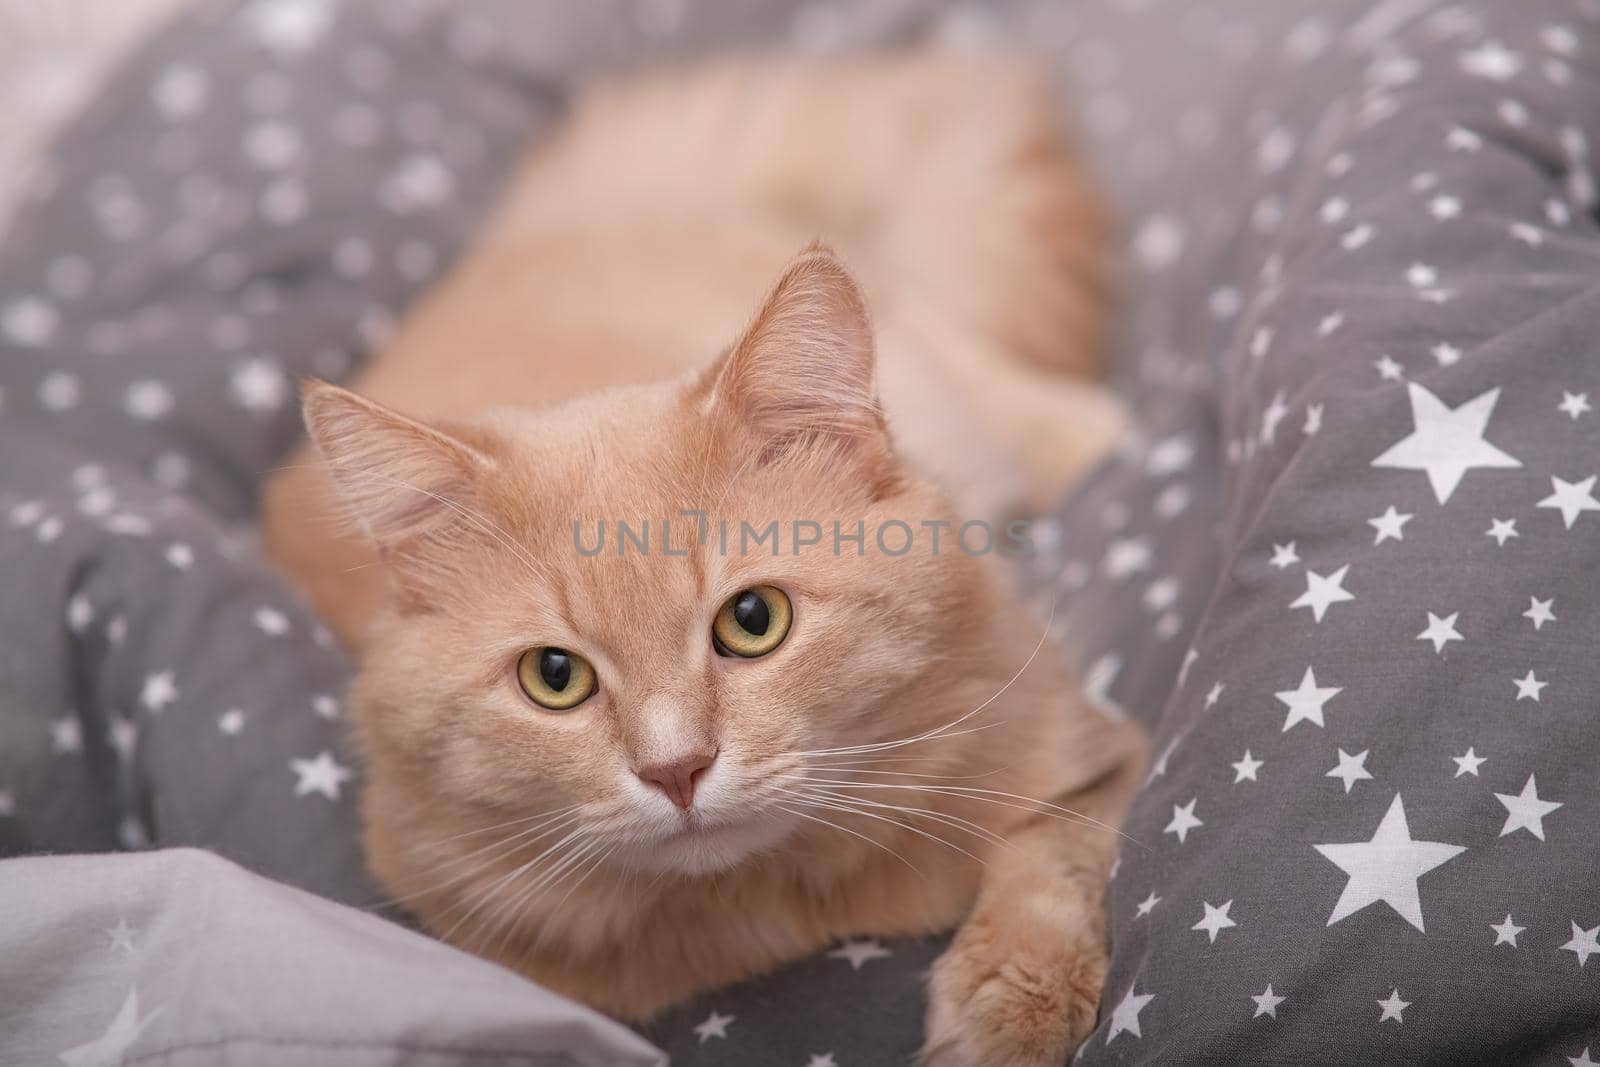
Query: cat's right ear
x,y
803,373
402,480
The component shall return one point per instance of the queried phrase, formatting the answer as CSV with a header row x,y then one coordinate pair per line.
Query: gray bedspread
x,y
1345,571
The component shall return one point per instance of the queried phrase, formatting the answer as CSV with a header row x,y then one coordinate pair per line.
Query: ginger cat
x,y
636,772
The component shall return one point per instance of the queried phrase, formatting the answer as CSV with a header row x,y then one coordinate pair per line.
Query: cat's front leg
x,y
1020,984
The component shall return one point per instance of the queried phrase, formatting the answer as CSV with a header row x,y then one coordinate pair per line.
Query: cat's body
x,y
564,365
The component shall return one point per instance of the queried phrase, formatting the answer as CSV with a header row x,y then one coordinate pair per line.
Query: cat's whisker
x,y
907,774
853,833
944,731
548,924
504,917
883,746
862,760
479,899
504,825
990,796
851,809
555,825
955,822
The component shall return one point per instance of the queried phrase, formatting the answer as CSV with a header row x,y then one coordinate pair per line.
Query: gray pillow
x,y
1369,834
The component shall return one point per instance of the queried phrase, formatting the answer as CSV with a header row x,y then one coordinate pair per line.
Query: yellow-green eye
x,y
752,623
554,678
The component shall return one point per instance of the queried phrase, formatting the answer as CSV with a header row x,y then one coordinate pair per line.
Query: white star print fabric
x,y
1376,770
175,261
1343,572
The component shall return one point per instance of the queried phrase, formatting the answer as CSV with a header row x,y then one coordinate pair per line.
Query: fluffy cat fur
x,y
908,758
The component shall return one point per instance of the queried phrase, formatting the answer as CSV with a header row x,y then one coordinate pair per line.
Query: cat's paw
x,y
999,997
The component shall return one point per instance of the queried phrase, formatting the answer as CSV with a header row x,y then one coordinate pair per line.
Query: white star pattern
x,y
1126,556
322,774
1441,631
271,621
1387,868
1125,1016
30,322
1525,810
1505,933
1244,769
1393,1008
1444,207
122,937
80,613
180,91
1389,526
1529,687
1572,499
1284,556
1351,769
1529,235
1540,612
1267,1003
259,386
159,691
1446,442
123,736
715,1025
1468,763
1357,237
149,401
1574,404
1492,60
1502,530
1421,275
1323,591
1147,905
1275,413
1183,820
1305,702
1584,943
289,27
859,952
66,736
1215,920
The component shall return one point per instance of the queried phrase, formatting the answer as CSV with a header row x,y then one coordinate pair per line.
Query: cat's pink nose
x,y
678,778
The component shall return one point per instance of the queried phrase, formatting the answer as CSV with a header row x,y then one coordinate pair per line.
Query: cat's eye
x,y
752,623
554,678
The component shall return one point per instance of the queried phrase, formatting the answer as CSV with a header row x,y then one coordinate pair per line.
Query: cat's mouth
x,y
700,843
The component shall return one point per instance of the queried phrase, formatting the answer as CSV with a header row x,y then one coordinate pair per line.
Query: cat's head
x,y
657,704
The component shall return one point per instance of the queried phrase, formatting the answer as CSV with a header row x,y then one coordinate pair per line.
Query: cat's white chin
x,y
701,847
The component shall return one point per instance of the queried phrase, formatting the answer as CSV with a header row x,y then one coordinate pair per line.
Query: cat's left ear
x,y
803,373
